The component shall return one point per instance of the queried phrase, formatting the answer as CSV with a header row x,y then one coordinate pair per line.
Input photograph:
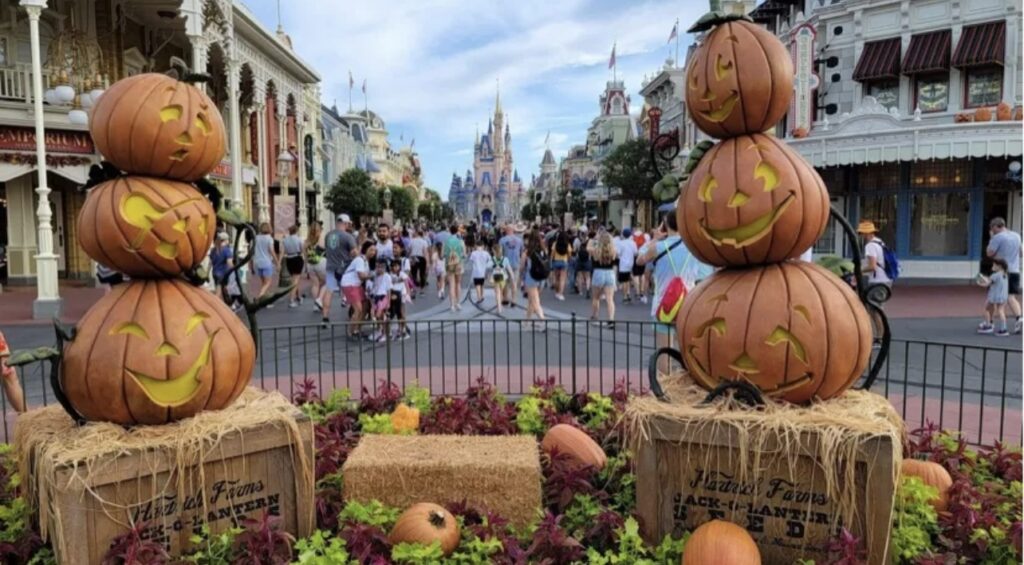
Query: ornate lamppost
x,y
389,214
284,172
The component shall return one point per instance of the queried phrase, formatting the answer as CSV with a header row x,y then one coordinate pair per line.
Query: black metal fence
x,y
976,390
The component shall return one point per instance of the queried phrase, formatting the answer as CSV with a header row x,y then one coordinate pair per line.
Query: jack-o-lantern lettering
x,y
152,352
793,329
739,81
146,227
752,200
152,124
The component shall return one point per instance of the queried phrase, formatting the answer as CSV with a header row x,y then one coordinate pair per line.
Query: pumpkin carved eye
x,y
144,214
171,113
781,335
709,184
130,328
722,69
195,321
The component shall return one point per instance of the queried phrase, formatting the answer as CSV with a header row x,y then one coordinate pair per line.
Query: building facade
x,y
896,106
268,96
547,185
492,192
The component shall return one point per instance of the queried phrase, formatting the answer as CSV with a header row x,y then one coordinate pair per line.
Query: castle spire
x,y
497,96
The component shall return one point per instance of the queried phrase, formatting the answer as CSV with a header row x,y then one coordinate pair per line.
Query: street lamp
x,y
387,197
284,171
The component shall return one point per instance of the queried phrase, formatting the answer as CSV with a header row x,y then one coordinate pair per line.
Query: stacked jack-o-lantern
x,y
156,349
753,205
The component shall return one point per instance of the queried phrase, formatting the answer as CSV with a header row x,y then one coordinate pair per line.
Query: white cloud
x,y
431,65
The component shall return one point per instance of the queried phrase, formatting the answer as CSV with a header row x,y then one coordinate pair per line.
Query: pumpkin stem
x,y
436,518
714,18
196,78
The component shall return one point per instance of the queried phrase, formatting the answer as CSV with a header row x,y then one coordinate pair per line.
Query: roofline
x,y
252,29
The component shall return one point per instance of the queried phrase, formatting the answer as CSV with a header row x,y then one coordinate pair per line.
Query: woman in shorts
x,y
605,260
292,247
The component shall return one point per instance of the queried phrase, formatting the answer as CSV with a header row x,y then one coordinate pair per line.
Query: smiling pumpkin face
x,y
793,329
740,80
152,124
752,200
152,352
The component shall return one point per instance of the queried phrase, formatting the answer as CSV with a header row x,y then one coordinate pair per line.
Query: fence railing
x,y
976,390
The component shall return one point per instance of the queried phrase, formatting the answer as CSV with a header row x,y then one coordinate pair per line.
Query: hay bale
x,y
791,475
497,473
90,483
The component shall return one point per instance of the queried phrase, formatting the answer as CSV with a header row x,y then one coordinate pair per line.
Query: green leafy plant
x,y
417,397
212,549
417,553
580,514
476,551
598,410
915,520
530,415
371,514
376,424
321,548
632,549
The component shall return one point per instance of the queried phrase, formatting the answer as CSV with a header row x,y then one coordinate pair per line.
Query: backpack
x,y
675,289
539,269
582,255
892,263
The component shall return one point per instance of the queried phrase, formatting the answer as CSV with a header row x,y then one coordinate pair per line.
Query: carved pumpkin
x,y
146,227
933,475
752,200
739,81
426,523
155,351
1018,113
721,543
983,114
1004,112
581,449
152,124
793,329
405,419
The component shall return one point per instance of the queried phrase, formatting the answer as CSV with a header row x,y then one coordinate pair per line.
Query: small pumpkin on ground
x,y
721,543
405,419
426,523
931,474
983,114
576,444
1004,112
153,124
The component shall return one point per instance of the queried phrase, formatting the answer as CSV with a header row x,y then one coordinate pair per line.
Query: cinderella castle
x,y
492,192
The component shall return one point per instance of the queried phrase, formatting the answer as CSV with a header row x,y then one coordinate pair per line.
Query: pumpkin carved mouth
x,y
742,370
178,390
741,236
720,114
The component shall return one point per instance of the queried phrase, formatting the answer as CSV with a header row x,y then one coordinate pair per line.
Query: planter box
x,y
250,469
769,480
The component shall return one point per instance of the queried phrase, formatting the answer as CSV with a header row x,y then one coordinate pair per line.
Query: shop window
x,y
984,87
939,223
880,177
880,209
931,93
941,174
834,178
886,92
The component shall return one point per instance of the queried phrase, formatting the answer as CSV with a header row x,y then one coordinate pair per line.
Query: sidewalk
x,y
914,301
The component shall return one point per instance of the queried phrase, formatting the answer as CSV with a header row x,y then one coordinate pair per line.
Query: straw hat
x,y
866,227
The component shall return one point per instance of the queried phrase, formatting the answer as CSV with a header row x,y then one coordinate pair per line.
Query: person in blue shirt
x,y
512,248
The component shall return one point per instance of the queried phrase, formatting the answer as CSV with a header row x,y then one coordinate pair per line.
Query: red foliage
x,y
481,412
365,542
552,544
846,549
131,548
262,542
306,393
563,480
384,402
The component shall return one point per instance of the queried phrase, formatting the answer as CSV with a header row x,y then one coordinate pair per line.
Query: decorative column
x,y
48,302
282,140
263,156
235,133
300,167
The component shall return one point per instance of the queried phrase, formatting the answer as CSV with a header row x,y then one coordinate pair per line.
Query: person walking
x,y
339,245
626,249
641,275
480,262
264,259
534,273
316,266
356,273
874,255
418,250
1005,245
560,253
221,261
454,254
292,248
671,264
995,301
604,256
512,249
500,274
584,264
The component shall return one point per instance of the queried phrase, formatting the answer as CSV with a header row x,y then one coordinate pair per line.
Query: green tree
x,y
353,193
544,210
529,211
427,210
447,213
403,203
629,169
578,203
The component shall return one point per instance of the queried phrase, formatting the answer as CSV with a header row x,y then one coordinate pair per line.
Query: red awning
x,y
879,60
928,52
980,45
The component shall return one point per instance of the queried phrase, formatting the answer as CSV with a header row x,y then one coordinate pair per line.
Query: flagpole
x,y
615,63
677,43
350,85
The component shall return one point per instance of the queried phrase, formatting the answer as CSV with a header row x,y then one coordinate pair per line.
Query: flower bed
x,y
587,515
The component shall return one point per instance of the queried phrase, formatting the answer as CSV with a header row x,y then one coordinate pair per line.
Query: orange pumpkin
x,y
721,543
426,523
146,227
793,329
983,114
752,200
155,351
740,80
931,474
580,448
1018,113
152,124
1004,112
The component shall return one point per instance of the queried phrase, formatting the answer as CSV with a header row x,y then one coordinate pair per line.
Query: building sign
x,y
222,171
57,141
806,81
654,119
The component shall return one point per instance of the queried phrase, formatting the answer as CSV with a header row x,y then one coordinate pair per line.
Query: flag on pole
x,y
675,32
611,60
351,81
412,143
547,137
364,86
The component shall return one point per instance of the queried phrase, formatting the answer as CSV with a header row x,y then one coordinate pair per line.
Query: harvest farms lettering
x,y
775,488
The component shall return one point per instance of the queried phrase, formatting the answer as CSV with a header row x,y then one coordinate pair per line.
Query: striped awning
x,y
928,52
879,60
981,45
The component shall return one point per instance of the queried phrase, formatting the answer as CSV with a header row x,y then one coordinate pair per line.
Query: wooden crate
x,y
243,474
689,473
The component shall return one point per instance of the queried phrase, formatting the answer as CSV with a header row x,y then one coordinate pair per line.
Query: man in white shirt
x,y
418,248
874,254
385,247
627,256
1005,244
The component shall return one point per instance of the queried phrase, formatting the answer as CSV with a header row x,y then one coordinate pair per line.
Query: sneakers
x,y
1017,326
560,297
985,328
325,323
643,299
319,305
293,304
1002,333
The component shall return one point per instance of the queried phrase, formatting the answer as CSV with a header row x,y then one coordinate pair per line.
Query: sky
x,y
432,66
